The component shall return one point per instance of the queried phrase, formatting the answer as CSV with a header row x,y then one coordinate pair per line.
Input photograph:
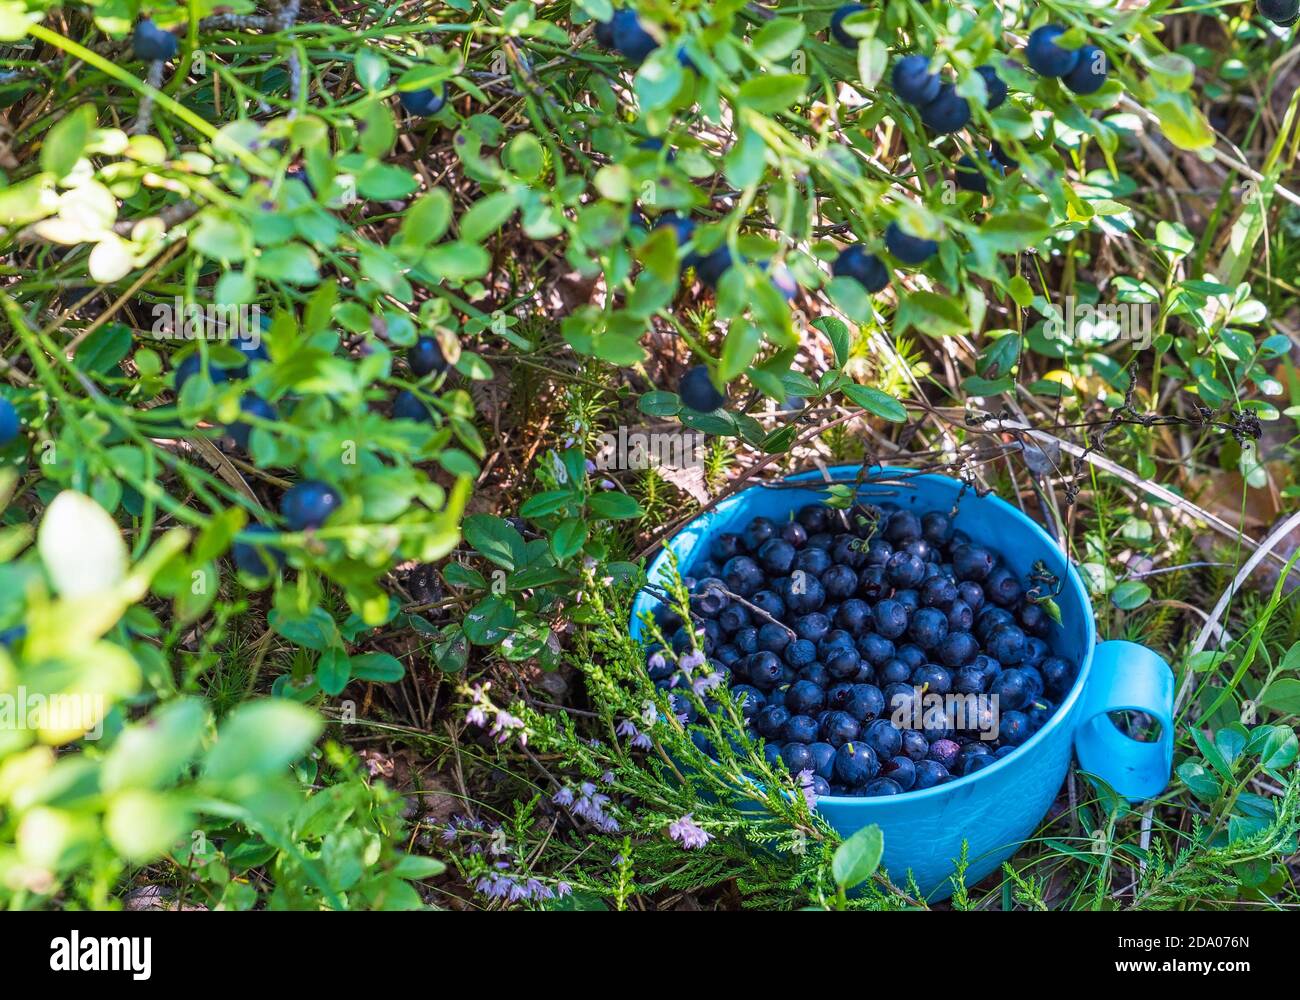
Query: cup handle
x,y
1126,675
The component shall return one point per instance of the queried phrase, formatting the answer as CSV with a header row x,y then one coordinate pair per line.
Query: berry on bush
x,y
1090,73
907,248
150,42
426,357
837,24
697,391
1284,12
630,38
424,102
1045,56
865,268
9,422
996,86
308,505
258,559
948,112
913,82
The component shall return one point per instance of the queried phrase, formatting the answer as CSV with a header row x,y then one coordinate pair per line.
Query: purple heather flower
x,y
564,797
688,833
536,890
691,661
607,778
449,833
804,779
476,716
707,683
563,889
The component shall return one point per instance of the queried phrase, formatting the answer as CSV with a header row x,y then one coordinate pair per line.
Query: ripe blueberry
x,y
800,729
308,504
1282,12
190,367
996,87
1088,76
958,649
889,618
770,720
856,764
257,407
1006,644
697,391
408,406
909,249
913,82
838,727
254,558
630,38
883,738
837,24
796,757
764,669
804,698
1014,728
423,102
901,770
904,569
712,267
948,112
773,637
426,357
865,268
1011,689
823,760
928,628
1045,56
971,562
930,773
150,42
882,786
768,601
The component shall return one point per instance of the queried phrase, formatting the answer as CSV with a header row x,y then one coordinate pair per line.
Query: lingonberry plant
x,y
354,362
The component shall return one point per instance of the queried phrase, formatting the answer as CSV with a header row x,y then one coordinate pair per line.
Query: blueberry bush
x,y
356,360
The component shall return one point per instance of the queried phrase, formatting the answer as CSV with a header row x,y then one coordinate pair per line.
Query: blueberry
x,y
1035,652
804,593
13,635
709,598
971,562
909,599
1088,76
816,673
972,593
823,760
838,695
804,698
841,582
796,757
1039,712
764,669
838,727
1045,56
882,786
889,618
255,406
150,42
875,648
969,177
895,672
770,721
742,576
1283,12
812,627
733,618
987,666
408,406
901,770
772,754
1002,158
697,391
1058,676
865,703
683,226
878,552
843,664
909,249
958,649
776,556
948,112
944,752
308,505
800,729
604,33
1006,644
991,619
770,602
728,655
1002,587
847,552
994,84
837,24
630,38
1035,621
929,627
712,267
426,357
255,558
883,738
423,102
773,637
930,773
190,367
750,699
853,615
1011,690
813,561
855,764
865,268
746,640
960,617
934,678
900,700
872,583
903,527
760,531
726,546
800,653
1033,680
969,680
814,517
1014,728
915,746
9,422
794,533
913,82
938,592
905,570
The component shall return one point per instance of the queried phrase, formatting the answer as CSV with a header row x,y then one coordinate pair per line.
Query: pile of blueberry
x,y
829,627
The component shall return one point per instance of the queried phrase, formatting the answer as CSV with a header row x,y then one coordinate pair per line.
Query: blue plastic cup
x,y
993,810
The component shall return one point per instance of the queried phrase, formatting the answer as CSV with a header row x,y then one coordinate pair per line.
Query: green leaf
x,y
550,502
877,402
494,539
568,538
1130,594
857,859
778,38
837,333
489,621
333,670
614,505
65,143
486,216
1283,695
932,314
154,752
380,668
773,92
261,739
